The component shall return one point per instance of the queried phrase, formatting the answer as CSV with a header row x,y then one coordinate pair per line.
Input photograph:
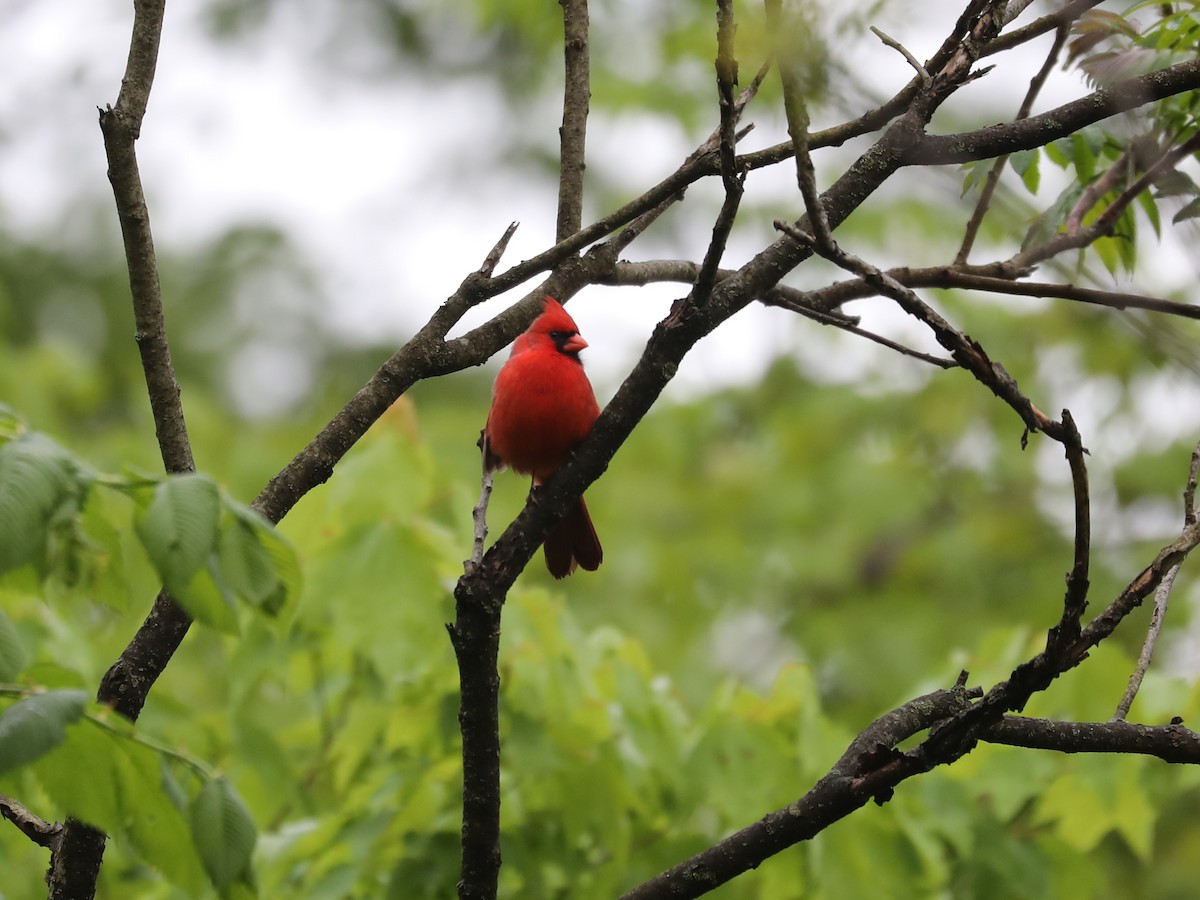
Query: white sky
x,y
386,185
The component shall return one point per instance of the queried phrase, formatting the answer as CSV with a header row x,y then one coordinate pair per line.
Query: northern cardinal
x,y
542,406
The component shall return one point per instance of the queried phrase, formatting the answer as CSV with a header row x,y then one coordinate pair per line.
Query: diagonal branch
x,y
42,833
835,796
1082,236
993,175
1039,130
1162,595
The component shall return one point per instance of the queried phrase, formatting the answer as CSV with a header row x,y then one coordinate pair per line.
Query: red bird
x,y
542,406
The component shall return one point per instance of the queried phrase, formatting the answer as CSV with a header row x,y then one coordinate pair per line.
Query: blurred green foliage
x,y
642,719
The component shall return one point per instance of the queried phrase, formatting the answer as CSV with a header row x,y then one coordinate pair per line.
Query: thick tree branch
x,y
1170,743
1039,130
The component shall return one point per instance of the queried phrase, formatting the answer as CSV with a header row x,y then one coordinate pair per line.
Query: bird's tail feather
x,y
573,542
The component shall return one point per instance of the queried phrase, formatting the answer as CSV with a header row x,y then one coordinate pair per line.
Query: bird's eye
x,y
559,336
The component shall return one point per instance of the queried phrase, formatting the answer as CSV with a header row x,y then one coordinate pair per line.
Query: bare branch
x,y
795,108
1170,743
1075,599
966,352
493,258
1055,20
727,75
969,278
577,92
43,833
75,863
1039,130
121,125
1162,595
993,175
838,321
890,41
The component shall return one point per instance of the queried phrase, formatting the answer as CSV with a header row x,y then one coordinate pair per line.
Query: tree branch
x,y
42,833
731,176
839,793
993,175
577,92
972,278
1039,130
1162,595
75,863
1170,743
1083,236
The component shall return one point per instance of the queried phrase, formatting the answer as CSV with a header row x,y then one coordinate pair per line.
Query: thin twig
x,y
970,278
727,75
795,108
479,518
890,41
1107,220
840,322
493,258
993,175
967,353
1162,595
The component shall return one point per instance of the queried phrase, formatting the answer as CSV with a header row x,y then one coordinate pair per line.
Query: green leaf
x,y
257,563
154,825
80,776
36,725
12,652
223,832
179,528
208,600
1191,211
39,484
1025,164
117,785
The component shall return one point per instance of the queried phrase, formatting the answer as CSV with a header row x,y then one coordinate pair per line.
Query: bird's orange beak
x,y
574,344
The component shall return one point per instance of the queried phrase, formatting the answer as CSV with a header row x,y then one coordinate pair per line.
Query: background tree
x,y
788,560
